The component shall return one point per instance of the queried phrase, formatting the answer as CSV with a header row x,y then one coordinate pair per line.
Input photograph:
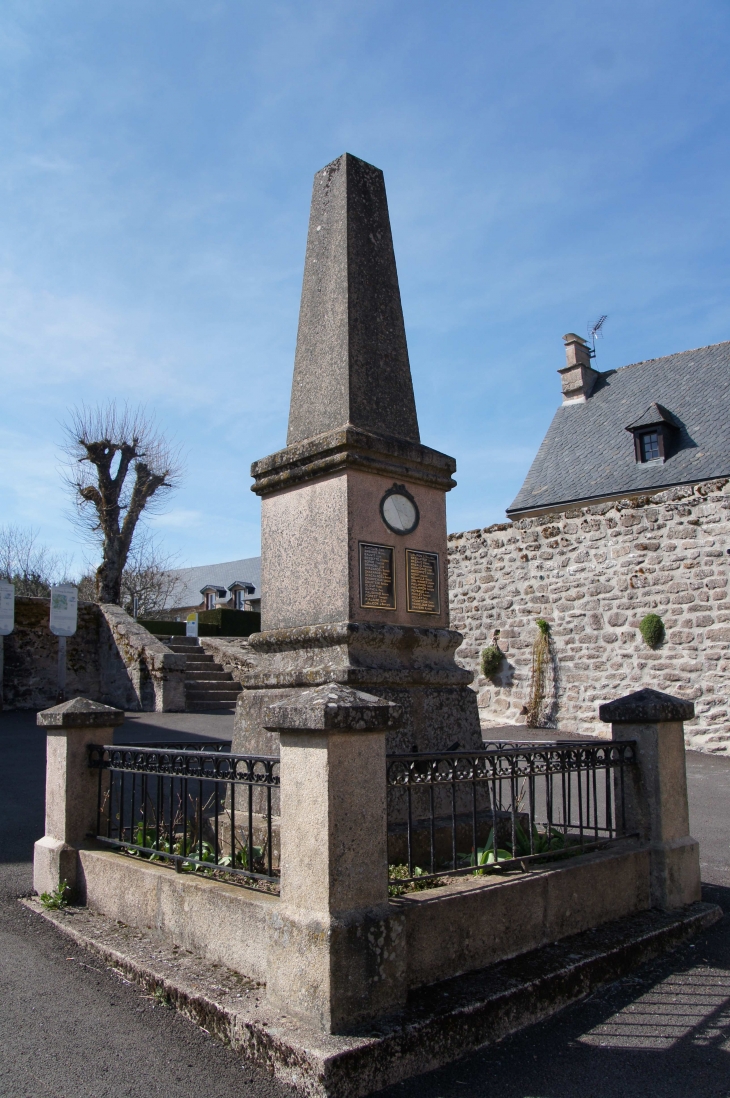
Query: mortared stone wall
x,y
593,572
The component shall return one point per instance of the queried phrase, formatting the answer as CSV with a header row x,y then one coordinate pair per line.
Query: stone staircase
x,y
208,688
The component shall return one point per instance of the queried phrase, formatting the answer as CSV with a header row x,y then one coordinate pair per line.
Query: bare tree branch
x,y
33,568
120,466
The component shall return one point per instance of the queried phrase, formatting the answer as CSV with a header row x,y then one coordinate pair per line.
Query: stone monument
x,y
353,524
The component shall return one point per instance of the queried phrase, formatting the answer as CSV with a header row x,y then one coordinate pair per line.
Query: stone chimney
x,y
578,376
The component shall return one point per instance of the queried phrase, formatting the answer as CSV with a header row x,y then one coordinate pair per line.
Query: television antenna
x,y
596,330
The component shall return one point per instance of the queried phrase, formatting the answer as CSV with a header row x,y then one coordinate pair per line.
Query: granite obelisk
x,y
353,522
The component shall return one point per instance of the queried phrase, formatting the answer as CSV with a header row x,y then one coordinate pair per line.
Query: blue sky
x,y
546,161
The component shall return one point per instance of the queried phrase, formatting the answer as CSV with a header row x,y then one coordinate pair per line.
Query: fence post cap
x,y
644,706
80,713
333,707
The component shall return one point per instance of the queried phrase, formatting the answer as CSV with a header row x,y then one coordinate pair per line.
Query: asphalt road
x,y
71,1029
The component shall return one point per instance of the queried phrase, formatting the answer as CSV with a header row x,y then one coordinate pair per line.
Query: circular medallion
x,y
399,510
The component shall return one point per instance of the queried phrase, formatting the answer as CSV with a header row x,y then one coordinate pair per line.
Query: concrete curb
x,y
441,1023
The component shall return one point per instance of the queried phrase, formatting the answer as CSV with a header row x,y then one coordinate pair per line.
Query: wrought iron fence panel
x,y
201,810
506,805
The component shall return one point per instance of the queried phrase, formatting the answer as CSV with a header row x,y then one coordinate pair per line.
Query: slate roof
x,y
187,591
587,452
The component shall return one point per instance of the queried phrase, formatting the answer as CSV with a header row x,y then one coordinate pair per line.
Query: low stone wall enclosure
x,y
330,950
593,573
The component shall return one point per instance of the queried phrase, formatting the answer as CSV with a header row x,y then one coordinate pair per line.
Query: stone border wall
x,y
31,656
110,658
593,572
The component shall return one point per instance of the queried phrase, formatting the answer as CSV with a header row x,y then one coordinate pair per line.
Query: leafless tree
x,y
119,466
31,567
149,577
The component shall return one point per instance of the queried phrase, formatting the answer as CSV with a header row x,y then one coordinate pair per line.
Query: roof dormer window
x,y
653,433
211,593
649,445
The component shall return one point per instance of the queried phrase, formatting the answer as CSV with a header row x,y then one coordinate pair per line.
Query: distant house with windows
x,y
234,584
624,512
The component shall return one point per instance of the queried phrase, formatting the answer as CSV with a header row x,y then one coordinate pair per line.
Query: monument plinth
x,y
353,525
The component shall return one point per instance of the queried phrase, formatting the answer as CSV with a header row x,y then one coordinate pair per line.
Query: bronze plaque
x,y
422,582
377,576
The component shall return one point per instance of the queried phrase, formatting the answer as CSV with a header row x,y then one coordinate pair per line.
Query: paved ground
x,y
71,1029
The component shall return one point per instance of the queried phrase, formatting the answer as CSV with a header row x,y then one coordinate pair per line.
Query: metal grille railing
x,y
507,805
200,809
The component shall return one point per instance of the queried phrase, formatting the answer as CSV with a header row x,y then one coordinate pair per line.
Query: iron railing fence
x,y
200,810
185,745
507,805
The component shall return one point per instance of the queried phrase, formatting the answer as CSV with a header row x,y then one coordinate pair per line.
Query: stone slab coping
x,y
440,1024
646,706
80,713
333,707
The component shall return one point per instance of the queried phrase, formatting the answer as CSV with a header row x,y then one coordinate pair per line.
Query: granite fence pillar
x,y
655,791
71,788
337,951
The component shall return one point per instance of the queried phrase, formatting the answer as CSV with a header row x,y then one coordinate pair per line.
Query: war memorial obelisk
x,y
353,522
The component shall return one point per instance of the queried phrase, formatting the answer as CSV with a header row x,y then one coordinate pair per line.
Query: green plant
x,y
161,997
538,677
651,628
542,843
492,656
257,858
52,901
398,873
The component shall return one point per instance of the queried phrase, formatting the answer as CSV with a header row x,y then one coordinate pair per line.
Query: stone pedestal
x,y
655,791
412,667
337,952
71,788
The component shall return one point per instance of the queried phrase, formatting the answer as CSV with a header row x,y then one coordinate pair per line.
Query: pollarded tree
x,y
150,580
120,466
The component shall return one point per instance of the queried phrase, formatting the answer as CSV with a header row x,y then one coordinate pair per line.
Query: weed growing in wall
x,y
651,628
53,901
538,677
492,657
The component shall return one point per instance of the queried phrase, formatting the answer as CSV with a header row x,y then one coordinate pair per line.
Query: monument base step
x,y
440,1024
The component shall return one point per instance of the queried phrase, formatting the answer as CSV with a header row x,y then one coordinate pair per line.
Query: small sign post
x,y
7,624
64,610
191,625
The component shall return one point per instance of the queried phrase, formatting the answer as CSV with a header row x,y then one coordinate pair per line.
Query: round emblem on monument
x,y
399,510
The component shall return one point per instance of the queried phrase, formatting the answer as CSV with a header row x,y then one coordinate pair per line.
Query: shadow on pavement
x,y
661,1033
23,766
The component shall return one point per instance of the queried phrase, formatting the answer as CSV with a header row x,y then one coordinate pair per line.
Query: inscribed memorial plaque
x,y
377,576
422,582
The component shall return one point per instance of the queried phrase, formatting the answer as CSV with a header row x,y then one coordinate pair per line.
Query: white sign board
x,y
191,625
7,609
64,605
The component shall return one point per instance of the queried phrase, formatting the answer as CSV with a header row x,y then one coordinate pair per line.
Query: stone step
x,y
208,686
440,1024
216,691
210,674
